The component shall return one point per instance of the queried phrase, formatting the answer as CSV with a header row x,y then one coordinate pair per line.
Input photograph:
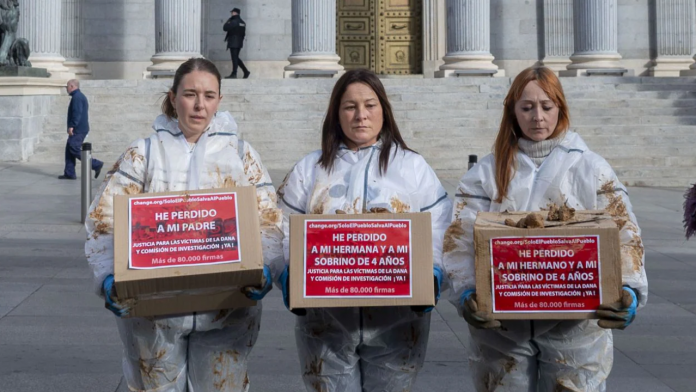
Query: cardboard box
x,y
183,252
361,260
563,271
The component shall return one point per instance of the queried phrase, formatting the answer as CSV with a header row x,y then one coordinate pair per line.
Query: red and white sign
x,y
358,259
179,231
546,274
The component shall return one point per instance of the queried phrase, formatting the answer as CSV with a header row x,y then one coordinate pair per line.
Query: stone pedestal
x,y
40,24
595,25
29,72
72,43
24,104
558,34
177,35
313,40
468,40
675,42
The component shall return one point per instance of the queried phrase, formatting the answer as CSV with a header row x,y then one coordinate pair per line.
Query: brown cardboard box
x,y
185,289
366,274
563,271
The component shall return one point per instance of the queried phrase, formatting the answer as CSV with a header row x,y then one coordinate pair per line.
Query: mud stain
x,y
398,206
531,221
225,181
616,206
459,208
452,234
413,336
252,168
150,370
223,379
133,189
315,367
320,200
560,214
271,216
635,250
132,154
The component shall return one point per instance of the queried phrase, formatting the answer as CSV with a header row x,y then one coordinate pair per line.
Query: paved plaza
x,y
55,334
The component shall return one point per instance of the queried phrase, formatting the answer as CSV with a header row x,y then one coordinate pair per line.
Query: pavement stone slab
x,y
55,334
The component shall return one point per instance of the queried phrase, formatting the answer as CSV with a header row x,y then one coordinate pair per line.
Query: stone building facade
x,y
129,39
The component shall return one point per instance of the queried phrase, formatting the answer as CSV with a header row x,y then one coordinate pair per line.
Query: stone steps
x,y
645,127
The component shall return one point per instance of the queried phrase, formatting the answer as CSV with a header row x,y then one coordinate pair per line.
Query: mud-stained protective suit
x,y
196,352
363,349
543,355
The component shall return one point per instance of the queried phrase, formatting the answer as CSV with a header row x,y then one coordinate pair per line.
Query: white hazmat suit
x,y
200,351
370,349
566,355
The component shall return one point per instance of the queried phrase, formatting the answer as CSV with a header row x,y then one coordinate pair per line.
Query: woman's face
x,y
536,113
196,102
360,116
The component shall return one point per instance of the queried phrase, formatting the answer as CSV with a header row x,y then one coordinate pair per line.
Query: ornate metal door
x,y
382,35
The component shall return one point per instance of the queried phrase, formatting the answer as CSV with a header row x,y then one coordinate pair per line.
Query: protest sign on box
x,y
177,231
563,271
361,260
180,252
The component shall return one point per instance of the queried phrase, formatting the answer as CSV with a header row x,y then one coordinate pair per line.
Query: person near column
x,y
193,147
236,30
78,128
364,166
537,160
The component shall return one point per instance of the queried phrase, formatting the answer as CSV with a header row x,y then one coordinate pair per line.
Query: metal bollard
x,y
86,160
472,161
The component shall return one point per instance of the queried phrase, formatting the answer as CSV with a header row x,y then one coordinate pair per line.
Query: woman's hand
x,y
257,293
470,312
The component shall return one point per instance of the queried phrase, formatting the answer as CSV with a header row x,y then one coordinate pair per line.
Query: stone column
x,y
40,23
433,36
595,25
558,34
313,39
73,37
675,37
469,40
177,35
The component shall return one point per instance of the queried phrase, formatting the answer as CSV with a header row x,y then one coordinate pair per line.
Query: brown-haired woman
x,y
364,165
537,160
193,147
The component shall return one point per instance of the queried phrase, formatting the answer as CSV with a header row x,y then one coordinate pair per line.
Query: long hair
x,y
506,145
332,134
190,65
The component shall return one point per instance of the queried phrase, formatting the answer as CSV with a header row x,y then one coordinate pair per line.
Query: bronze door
x,y
381,35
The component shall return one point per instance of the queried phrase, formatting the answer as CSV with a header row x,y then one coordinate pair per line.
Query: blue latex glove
x,y
256,293
475,318
285,288
438,275
621,314
108,290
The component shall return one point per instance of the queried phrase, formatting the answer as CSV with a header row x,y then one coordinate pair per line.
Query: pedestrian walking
x,y
236,30
363,166
538,160
194,147
78,128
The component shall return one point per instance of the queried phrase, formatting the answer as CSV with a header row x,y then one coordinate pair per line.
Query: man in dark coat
x,y
236,29
78,128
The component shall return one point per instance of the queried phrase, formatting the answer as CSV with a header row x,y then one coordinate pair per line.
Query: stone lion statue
x,y
13,51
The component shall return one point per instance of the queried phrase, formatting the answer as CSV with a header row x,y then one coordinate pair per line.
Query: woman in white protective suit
x,y
537,160
364,166
193,147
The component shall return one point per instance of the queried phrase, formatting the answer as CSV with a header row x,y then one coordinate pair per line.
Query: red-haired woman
x,y
537,160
